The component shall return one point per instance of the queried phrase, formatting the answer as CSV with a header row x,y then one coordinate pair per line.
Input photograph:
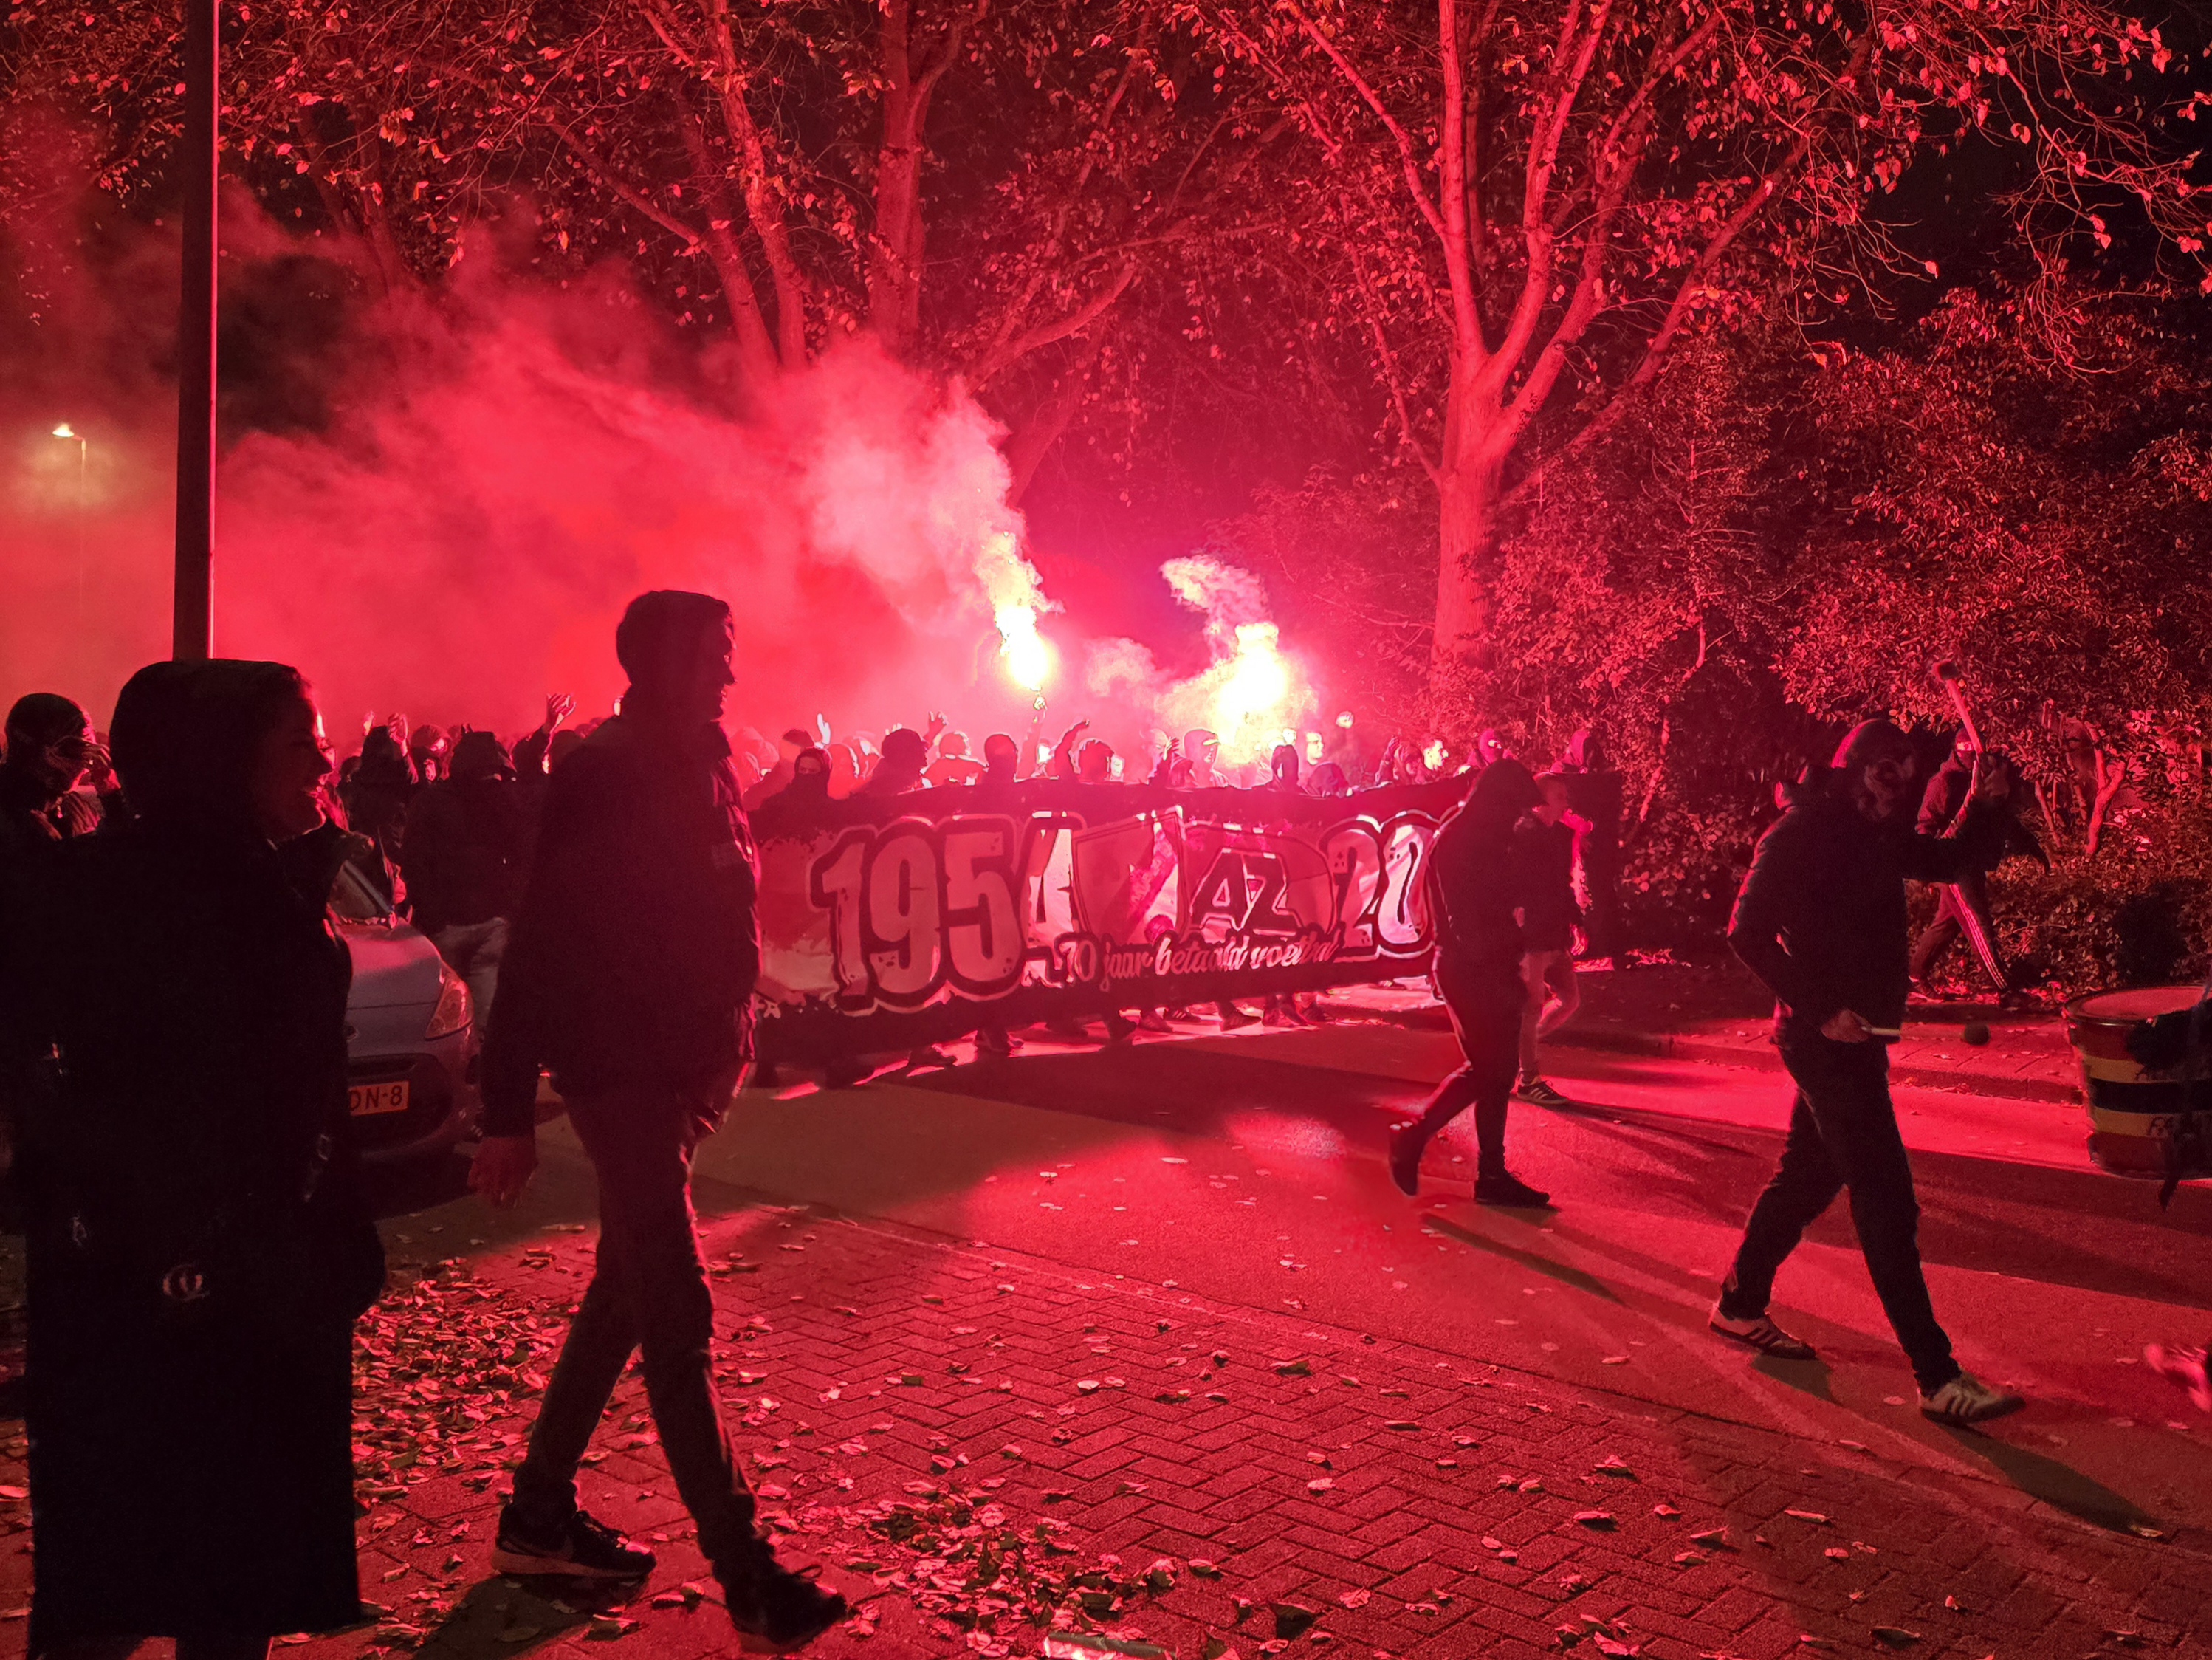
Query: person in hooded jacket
x,y
1821,920
905,753
804,793
466,847
50,752
172,1033
630,972
1963,905
1472,900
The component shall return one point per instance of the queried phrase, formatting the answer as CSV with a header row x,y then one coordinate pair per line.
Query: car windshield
x,y
354,898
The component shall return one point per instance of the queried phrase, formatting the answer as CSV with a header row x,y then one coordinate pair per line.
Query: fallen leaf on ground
x,y
1293,1620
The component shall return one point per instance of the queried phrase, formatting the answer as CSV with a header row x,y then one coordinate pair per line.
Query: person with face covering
x,y
173,1035
777,778
50,753
809,787
1821,920
1472,897
631,973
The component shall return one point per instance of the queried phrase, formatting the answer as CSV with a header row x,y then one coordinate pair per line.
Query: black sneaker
x,y
1510,1191
776,1610
1406,1159
580,1548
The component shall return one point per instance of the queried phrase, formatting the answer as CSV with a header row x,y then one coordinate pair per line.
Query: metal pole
x,y
193,639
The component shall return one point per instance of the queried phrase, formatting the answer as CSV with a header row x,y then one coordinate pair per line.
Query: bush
x,y
2138,914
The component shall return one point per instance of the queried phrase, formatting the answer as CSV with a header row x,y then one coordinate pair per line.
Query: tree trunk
x,y
1467,490
895,260
1030,443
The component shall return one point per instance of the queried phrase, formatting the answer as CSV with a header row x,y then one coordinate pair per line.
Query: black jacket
x,y
191,1139
1821,916
31,822
1471,895
467,844
1544,883
636,945
1945,799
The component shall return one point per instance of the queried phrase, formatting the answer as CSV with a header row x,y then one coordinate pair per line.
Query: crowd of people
x,y
173,1056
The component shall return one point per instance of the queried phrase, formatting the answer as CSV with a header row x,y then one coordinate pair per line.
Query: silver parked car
x,y
411,1039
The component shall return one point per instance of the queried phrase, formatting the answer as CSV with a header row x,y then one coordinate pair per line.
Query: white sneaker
x,y
1760,1332
1967,1400
2185,1368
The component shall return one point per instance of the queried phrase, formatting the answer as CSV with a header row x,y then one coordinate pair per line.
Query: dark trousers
x,y
650,1294
1843,1134
1485,1017
1963,909
1601,897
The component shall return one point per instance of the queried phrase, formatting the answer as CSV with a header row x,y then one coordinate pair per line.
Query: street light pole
x,y
83,508
193,637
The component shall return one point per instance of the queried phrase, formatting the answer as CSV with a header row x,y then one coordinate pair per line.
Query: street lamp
x,y
83,510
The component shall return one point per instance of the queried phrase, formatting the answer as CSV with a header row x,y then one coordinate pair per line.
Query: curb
x,y
1665,1044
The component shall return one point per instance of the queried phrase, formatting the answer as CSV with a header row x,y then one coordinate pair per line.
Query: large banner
x,y
888,922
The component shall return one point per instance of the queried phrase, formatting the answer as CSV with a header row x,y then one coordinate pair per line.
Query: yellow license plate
x,y
366,1100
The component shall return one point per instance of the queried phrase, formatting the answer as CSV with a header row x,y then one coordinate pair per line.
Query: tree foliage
x,y
1775,544
1524,205
981,188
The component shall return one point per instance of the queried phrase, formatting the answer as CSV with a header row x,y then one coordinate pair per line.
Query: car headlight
x,y
453,1012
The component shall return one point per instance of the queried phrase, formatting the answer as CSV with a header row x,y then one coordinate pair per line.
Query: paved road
x,y
1002,1335
1248,1169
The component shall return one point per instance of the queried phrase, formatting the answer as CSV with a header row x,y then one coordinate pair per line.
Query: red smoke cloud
x,y
493,483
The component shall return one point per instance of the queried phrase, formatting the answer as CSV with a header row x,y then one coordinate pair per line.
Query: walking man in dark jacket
x,y
632,963
1821,920
1470,899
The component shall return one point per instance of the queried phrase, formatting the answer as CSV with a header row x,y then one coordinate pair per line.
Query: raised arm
x,y
1977,840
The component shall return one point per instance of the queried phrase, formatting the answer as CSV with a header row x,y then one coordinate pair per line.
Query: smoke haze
x,y
442,512
461,502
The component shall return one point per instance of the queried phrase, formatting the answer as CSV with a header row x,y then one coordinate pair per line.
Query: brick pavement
x,y
920,1407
